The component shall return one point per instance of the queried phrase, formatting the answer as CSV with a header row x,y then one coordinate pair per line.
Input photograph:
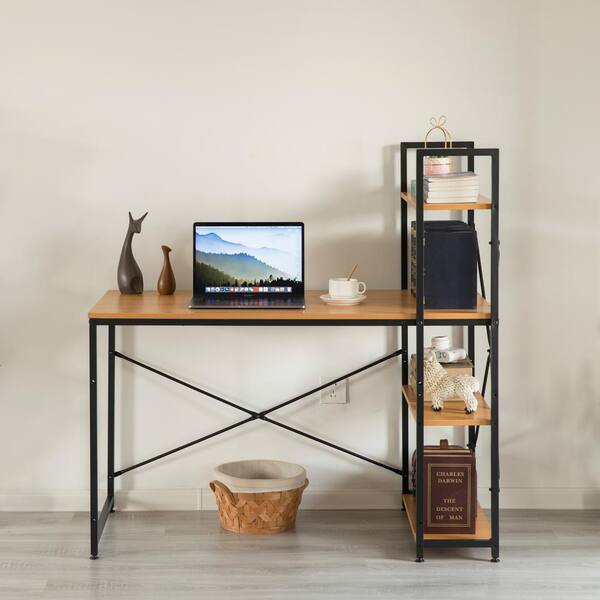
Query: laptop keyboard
x,y
257,302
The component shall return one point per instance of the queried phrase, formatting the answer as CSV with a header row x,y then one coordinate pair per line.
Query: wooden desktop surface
x,y
380,305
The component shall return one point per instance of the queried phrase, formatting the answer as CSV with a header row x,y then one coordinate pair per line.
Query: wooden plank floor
x,y
332,554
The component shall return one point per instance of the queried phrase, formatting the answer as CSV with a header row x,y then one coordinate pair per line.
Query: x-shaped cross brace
x,y
257,415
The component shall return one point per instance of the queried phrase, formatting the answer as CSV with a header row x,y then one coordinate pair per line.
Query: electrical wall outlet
x,y
335,394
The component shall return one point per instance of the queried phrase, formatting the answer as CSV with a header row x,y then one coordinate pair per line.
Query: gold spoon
x,y
352,272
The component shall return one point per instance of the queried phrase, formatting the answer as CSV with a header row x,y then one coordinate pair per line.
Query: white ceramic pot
x,y
436,165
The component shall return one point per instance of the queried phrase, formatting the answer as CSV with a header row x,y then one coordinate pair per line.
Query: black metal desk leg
x,y
93,445
495,462
111,418
494,347
405,465
420,391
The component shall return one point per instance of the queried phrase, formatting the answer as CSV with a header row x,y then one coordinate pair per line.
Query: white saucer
x,y
343,301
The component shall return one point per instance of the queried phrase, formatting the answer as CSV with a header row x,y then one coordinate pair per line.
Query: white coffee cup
x,y
342,287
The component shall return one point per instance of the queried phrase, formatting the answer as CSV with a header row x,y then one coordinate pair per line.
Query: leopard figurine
x,y
442,385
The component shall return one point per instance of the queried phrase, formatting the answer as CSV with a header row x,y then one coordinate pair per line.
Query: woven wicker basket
x,y
257,511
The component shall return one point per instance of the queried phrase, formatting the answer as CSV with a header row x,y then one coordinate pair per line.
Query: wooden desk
x,y
381,308
392,307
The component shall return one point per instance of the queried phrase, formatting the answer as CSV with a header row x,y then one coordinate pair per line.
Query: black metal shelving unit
x,y
487,534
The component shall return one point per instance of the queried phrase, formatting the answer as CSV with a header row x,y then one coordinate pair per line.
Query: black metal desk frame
x,y
99,517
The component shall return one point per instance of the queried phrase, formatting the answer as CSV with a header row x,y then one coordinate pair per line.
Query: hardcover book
x,y
450,488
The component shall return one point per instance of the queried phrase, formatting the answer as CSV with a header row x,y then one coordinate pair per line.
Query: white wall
x,y
286,110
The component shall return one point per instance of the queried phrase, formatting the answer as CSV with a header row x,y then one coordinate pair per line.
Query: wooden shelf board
x,y
453,414
483,203
483,529
380,305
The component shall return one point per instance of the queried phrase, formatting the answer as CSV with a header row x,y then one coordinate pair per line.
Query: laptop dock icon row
x,y
247,290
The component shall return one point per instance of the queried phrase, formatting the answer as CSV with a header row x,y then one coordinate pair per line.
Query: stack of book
x,y
453,187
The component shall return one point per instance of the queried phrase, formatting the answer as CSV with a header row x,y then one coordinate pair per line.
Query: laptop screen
x,y
248,259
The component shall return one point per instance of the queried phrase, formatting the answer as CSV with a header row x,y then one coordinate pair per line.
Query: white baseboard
x,y
190,499
332,499
203,499
45,500
545,498
159,499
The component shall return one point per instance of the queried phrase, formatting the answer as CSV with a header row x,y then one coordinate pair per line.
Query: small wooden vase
x,y
166,281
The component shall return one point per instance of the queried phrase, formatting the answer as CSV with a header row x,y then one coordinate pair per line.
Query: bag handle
x,y
224,489
439,124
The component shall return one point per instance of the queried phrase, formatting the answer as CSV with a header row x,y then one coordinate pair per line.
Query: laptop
x,y
248,265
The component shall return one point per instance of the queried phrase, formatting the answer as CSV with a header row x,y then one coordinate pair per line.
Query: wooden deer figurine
x,y
129,275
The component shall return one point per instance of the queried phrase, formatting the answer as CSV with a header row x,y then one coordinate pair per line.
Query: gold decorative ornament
x,y
439,124
438,165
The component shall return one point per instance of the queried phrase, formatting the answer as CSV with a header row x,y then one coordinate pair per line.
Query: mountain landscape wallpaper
x,y
251,256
